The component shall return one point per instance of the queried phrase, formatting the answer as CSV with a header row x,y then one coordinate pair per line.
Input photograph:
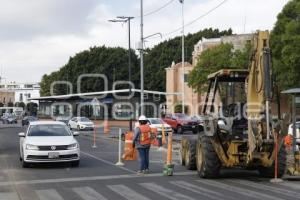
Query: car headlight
x,y
32,147
72,146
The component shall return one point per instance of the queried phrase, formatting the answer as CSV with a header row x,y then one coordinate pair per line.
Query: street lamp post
x,y
183,71
124,19
142,59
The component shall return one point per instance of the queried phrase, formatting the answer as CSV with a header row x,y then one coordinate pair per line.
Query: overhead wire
x,y
196,19
157,10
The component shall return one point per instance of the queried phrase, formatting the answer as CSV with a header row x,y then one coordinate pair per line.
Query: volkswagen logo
x,y
53,148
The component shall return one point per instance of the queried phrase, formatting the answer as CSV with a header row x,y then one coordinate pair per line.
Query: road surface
x,y
97,178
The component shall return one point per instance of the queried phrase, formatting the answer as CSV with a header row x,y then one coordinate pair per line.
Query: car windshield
x,y
48,130
84,119
155,121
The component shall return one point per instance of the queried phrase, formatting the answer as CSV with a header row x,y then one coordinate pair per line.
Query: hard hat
x,y
142,118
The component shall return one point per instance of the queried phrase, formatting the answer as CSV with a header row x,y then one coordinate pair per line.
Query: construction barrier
x,y
106,127
130,153
288,142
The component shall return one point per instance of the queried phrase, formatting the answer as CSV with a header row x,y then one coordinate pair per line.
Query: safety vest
x,y
145,135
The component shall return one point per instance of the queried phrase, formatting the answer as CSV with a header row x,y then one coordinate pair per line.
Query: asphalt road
x,y
97,178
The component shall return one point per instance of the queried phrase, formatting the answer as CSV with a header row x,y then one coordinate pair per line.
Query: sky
x,y
38,37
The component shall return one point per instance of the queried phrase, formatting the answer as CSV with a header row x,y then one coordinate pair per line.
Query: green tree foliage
x,y
217,58
32,108
113,62
285,45
20,104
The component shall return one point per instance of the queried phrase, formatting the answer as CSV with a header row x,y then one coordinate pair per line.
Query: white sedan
x,y
48,141
81,123
159,124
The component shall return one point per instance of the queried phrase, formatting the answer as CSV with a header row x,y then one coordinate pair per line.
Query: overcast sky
x,y
39,36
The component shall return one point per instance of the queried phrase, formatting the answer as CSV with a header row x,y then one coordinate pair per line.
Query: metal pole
x,y
183,71
142,61
294,124
120,163
129,69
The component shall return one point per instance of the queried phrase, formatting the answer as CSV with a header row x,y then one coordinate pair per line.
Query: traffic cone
x,y
130,152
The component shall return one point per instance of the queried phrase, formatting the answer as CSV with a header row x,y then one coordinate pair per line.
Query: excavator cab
x,y
226,100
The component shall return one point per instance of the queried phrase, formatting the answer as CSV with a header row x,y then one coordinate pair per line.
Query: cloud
x,y
38,37
28,19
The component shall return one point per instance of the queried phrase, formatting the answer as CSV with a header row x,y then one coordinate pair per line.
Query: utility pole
x,y
142,59
183,71
126,19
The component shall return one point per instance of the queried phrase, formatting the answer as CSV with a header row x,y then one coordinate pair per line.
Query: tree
x,y
20,104
214,59
285,45
10,104
32,108
112,62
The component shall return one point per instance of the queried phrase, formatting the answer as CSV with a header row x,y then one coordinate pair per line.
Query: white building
x,y
23,91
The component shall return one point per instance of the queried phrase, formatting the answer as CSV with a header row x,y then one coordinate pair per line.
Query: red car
x,y
181,123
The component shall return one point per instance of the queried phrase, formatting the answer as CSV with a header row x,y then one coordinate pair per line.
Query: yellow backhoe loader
x,y
238,126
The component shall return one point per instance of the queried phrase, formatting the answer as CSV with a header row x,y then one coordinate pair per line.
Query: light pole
x,y
125,19
182,62
142,58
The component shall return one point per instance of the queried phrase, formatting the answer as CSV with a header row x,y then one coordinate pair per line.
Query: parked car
x,y
64,119
290,131
157,123
181,123
26,120
48,141
81,123
200,121
10,119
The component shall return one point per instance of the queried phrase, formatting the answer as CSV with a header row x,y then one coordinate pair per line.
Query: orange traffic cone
x,y
130,152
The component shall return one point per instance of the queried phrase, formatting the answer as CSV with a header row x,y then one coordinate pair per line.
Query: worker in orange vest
x,y
142,142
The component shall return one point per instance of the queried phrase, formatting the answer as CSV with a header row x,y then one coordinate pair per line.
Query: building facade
x,y
194,100
6,97
22,91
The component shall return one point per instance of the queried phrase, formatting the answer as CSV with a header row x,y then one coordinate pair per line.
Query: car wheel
x,y
75,163
179,130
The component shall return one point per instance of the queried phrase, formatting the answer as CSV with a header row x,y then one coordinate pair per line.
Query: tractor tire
x,y
268,172
190,155
208,162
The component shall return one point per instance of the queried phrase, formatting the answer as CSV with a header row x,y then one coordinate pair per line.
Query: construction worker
x,y
142,142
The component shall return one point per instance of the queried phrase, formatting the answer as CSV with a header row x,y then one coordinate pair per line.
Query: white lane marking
x,y
126,192
8,196
239,190
272,189
50,194
200,190
167,193
88,193
107,162
94,178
